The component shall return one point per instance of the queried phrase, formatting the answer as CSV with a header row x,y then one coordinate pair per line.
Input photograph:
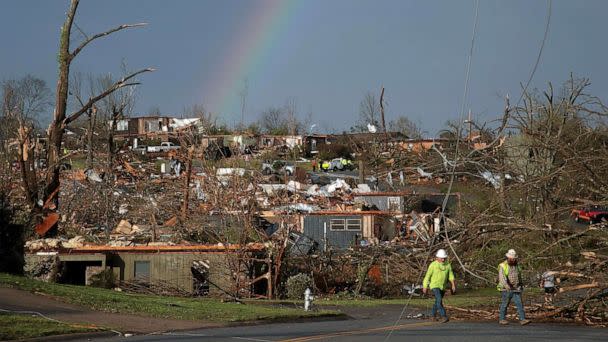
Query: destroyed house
x,y
142,127
344,229
268,140
312,144
154,127
195,269
315,143
408,201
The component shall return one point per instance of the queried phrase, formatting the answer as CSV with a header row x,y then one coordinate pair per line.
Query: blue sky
x,y
325,54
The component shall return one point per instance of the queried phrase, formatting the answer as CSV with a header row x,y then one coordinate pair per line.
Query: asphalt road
x,y
377,330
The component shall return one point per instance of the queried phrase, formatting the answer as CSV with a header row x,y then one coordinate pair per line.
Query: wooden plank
x,y
49,221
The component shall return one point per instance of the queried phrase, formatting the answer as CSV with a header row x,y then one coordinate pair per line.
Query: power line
x,y
447,195
470,58
540,52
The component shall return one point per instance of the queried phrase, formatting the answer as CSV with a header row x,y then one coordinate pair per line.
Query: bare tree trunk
x,y
28,172
60,120
56,128
92,115
111,149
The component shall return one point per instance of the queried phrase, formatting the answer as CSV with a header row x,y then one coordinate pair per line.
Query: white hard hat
x,y
441,254
511,254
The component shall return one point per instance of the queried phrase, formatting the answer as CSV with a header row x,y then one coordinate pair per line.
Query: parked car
x,y
163,147
278,167
592,214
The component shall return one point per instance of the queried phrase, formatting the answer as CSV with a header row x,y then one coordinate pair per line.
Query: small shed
x,y
344,229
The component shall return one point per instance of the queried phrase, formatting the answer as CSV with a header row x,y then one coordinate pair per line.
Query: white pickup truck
x,y
164,147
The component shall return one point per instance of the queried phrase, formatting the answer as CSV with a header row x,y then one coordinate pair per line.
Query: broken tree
x,y
60,119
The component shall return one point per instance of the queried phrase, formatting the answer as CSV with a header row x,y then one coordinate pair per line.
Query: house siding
x,y
171,268
314,226
174,268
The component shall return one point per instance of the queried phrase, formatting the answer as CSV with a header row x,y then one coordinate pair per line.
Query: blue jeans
x,y
438,303
506,299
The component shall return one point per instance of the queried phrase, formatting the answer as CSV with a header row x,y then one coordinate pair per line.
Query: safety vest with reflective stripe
x,y
505,271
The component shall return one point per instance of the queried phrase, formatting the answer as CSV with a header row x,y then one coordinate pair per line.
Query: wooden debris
x,y
49,221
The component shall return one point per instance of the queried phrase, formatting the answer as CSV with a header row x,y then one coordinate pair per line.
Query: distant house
x,y
290,141
344,229
312,144
153,127
197,269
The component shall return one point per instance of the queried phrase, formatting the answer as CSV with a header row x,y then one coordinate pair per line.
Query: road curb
x,y
70,337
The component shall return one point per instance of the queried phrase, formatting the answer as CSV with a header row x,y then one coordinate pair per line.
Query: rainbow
x,y
246,54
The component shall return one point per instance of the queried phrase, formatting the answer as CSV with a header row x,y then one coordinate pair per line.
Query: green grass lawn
x,y
20,326
470,299
207,309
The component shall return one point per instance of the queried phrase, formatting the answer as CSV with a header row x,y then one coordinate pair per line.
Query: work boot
x,y
444,320
524,322
503,322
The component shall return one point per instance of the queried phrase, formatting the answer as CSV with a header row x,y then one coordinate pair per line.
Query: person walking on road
x,y
436,278
547,282
511,286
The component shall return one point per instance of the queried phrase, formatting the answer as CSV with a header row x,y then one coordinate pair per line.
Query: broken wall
x,y
174,269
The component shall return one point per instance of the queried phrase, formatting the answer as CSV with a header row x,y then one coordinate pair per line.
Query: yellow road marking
x,y
358,332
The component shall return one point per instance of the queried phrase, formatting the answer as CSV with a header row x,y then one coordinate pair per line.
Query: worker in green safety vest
x,y
436,278
510,285
325,166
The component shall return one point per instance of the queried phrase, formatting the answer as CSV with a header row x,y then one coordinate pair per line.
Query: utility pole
x,y
243,95
382,112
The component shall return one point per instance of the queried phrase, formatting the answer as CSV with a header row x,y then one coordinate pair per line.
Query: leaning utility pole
x,y
382,113
243,95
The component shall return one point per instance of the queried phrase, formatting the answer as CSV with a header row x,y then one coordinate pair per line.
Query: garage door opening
x,y
79,272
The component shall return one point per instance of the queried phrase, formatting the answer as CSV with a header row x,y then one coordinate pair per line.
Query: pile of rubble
x,y
52,244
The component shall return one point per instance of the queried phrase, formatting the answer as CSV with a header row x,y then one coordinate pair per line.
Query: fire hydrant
x,y
308,298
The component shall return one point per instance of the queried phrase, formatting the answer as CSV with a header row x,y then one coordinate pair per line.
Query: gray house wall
x,y
314,226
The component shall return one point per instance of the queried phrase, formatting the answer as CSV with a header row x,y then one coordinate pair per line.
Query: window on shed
x,y
337,224
353,224
142,271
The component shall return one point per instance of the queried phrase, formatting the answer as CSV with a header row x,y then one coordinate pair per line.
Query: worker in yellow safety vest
x,y
325,166
510,285
436,278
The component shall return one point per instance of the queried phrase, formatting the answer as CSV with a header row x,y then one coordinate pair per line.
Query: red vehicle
x,y
593,214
